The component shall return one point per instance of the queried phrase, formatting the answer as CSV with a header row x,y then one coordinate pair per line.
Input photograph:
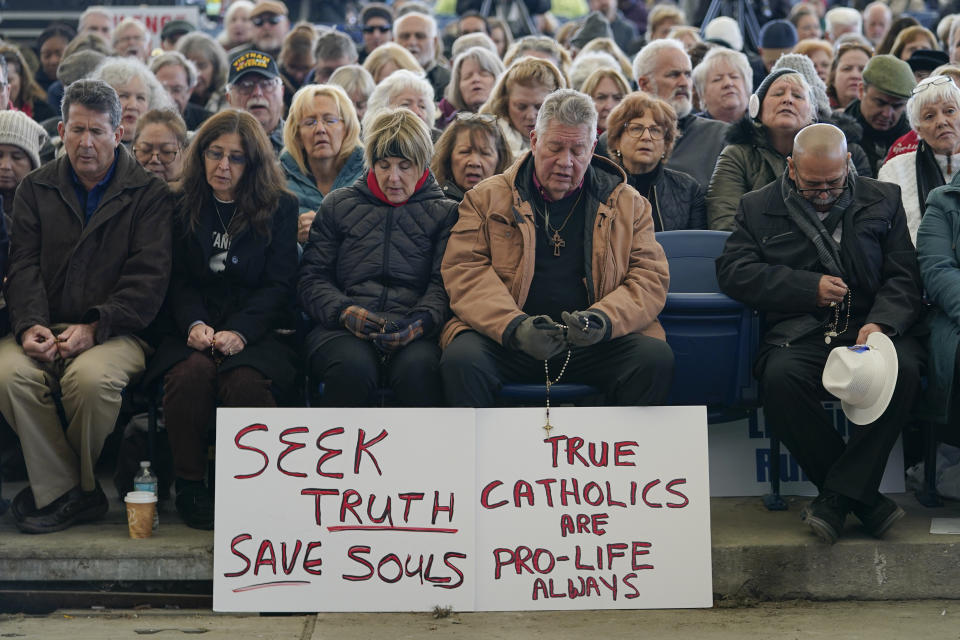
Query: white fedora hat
x,y
863,377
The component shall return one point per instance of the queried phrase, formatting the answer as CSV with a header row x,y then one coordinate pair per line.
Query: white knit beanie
x,y
19,130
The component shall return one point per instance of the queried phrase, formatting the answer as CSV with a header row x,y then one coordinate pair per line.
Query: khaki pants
x,y
90,385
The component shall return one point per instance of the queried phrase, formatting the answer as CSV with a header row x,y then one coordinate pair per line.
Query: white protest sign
x,y
154,17
740,459
611,509
403,510
344,510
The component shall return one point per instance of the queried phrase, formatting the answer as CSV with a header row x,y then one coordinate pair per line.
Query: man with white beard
x,y
662,69
254,86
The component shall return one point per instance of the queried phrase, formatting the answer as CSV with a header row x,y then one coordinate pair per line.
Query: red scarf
x,y
377,191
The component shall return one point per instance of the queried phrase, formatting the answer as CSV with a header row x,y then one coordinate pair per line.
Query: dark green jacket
x,y
938,251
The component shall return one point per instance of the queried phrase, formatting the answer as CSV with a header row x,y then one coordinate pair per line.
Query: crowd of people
x,y
440,212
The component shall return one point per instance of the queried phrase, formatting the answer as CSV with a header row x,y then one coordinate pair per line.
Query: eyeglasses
x,y
165,154
372,28
259,21
247,87
935,81
837,184
236,159
636,131
311,123
466,116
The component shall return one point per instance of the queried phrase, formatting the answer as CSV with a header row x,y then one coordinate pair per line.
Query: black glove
x,y
539,337
584,328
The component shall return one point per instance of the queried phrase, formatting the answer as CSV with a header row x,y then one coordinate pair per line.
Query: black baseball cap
x,y
252,61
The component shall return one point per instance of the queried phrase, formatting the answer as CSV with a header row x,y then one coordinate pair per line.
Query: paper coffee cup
x,y
141,505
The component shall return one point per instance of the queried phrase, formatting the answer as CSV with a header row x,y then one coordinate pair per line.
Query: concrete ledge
x,y
757,554
763,555
104,552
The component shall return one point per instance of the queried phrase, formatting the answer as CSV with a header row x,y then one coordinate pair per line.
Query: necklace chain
x,y
219,217
833,329
546,371
556,238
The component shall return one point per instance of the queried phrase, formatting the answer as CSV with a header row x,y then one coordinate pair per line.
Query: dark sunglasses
x,y
259,21
379,28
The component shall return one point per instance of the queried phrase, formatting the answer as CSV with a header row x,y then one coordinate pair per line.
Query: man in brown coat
x,y
89,263
556,256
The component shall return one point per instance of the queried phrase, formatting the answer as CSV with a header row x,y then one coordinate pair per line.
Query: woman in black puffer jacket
x,y
641,131
370,276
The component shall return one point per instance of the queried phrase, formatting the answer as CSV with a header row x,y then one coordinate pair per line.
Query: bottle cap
x,y
144,463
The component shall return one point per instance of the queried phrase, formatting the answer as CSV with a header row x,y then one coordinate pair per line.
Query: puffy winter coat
x,y
386,259
748,163
305,187
678,201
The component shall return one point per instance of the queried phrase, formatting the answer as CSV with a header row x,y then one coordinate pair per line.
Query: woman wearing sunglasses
x,y
934,113
231,289
158,144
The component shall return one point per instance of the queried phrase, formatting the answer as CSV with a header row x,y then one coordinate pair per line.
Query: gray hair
x,y
568,107
486,60
842,17
928,93
3,68
954,27
881,5
586,63
120,71
334,44
402,18
175,58
645,62
397,82
471,40
854,37
235,6
95,95
735,59
944,28
91,10
129,22
353,77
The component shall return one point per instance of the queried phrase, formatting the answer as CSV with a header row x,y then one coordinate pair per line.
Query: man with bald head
x,y
826,255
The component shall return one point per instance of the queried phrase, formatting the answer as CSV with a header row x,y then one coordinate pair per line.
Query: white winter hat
x,y
726,29
19,130
863,377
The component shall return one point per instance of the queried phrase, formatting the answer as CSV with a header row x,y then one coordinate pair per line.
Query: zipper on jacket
x,y
767,239
656,206
388,228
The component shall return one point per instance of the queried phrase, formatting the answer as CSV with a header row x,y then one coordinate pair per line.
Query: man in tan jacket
x,y
556,256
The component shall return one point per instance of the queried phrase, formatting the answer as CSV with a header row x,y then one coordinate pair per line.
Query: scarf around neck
x,y
374,187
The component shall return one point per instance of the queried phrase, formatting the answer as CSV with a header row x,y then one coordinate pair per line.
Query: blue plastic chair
x,y
714,338
511,393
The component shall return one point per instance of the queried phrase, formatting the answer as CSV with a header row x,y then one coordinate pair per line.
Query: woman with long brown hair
x,y
25,94
234,273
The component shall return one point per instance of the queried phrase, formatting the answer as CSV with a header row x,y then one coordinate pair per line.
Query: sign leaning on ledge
x,y
478,510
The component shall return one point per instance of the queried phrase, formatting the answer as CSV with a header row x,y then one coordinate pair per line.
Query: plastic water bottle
x,y
146,480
